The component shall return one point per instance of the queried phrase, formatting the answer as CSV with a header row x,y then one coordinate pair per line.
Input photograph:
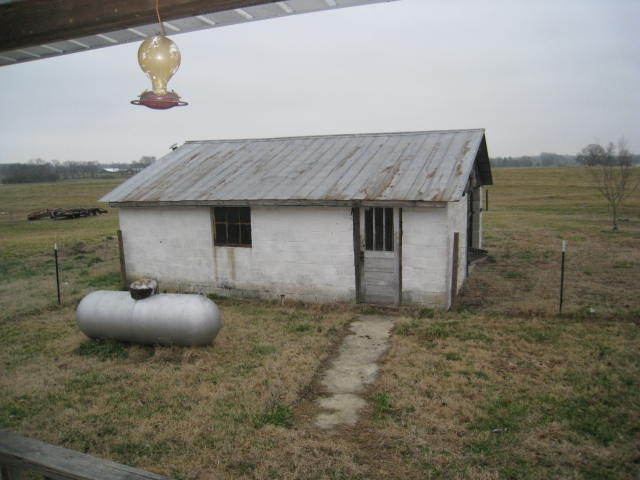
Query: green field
x,y
88,246
500,388
531,210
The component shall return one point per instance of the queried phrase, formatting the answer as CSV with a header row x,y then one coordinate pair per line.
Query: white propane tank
x,y
165,319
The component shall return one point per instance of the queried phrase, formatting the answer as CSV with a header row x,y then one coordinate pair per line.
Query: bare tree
x,y
144,162
612,172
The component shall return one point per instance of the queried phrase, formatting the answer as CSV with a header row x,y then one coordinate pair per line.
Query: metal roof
x,y
138,31
383,167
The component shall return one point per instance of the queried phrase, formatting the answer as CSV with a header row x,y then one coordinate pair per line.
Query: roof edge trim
x,y
278,203
329,135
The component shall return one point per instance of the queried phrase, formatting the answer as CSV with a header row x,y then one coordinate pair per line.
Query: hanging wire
x,y
159,19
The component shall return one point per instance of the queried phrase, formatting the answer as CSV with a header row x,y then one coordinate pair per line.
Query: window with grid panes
x,y
378,228
232,226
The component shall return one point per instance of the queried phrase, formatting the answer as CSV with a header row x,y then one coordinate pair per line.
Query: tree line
x,y
39,170
546,159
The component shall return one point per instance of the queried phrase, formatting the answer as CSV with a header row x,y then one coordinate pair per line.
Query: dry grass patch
x,y
28,284
481,397
174,410
490,397
531,210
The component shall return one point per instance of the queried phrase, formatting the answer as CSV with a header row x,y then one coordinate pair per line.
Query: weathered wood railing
x,y
20,454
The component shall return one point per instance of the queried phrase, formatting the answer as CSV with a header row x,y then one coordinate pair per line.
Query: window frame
x,y
215,221
379,229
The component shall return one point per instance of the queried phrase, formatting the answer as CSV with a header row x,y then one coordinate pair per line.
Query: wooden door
x,y
381,244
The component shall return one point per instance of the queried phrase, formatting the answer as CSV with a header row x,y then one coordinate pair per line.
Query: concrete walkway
x,y
353,369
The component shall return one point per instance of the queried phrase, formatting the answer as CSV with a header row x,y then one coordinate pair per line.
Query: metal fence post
x,y
123,266
55,256
564,249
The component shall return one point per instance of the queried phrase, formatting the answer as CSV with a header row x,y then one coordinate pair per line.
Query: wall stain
x,y
215,264
231,260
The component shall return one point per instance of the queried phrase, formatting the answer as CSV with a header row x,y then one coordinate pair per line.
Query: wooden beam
x,y
454,269
358,254
10,473
124,284
22,453
29,23
399,247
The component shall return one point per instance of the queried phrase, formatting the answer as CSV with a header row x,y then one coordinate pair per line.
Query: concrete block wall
x,y
425,256
172,245
303,253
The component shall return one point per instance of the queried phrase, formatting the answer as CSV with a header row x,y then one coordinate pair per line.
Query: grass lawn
x,y
530,211
500,388
88,246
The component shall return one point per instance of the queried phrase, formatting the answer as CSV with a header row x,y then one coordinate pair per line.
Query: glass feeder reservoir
x,y
159,58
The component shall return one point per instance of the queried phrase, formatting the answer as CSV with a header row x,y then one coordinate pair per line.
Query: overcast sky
x,y
538,75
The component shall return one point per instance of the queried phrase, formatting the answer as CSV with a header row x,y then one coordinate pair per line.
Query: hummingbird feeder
x,y
159,58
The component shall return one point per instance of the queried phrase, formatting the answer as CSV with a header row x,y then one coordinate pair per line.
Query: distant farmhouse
x,y
370,218
120,171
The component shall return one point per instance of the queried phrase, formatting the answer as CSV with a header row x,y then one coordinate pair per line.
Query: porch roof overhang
x,y
36,29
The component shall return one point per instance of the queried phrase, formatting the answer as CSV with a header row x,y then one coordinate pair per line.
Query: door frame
x,y
359,249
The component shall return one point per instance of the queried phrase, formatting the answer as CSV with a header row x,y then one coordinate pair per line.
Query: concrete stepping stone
x,y
352,371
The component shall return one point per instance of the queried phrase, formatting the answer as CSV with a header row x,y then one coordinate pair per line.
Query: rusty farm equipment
x,y
65,214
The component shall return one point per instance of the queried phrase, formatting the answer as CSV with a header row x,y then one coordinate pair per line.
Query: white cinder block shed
x,y
367,218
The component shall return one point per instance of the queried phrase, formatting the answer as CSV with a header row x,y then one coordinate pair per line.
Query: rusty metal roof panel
x,y
409,166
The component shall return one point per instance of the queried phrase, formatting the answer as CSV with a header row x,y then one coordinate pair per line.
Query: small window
x,y
232,226
378,229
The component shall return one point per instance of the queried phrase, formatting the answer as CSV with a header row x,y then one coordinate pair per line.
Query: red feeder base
x,y
159,102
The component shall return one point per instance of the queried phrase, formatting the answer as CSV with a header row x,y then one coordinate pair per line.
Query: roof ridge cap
x,y
373,134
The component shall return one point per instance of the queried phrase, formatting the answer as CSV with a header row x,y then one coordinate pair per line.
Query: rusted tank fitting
x,y
143,288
